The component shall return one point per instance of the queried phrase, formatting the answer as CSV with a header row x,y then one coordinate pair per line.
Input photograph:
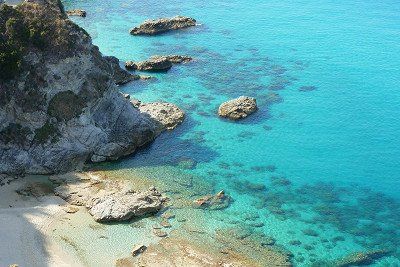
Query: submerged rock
x,y
157,63
152,27
238,108
361,258
76,12
214,202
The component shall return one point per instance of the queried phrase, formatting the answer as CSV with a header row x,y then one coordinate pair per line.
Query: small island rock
x,y
152,27
153,64
168,115
238,108
157,63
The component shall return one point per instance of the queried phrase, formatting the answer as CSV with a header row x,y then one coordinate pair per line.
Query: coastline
x,y
40,232
26,225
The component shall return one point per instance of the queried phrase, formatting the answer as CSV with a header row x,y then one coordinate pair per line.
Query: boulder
x,y
157,26
123,206
76,12
138,249
175,59
154,65
238,108
157,63
110,200
168,115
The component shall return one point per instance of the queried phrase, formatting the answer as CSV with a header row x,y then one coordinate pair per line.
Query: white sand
x,y
24,228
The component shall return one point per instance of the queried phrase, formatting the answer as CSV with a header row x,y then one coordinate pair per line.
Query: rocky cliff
x,y
59,106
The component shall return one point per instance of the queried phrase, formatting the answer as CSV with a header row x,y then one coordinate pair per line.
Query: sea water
x,y
317,166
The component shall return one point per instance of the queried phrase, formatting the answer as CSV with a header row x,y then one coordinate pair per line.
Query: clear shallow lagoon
x,y
317,166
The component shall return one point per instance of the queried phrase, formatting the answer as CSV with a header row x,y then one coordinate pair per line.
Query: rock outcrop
x,y
124,205
168,115
157,26
108,200
76,12
121,76
59,105
238,108
157,63
153,64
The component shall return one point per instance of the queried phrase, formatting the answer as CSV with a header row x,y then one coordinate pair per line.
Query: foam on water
x,y
316,167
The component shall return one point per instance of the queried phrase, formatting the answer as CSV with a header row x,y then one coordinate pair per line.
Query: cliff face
x,y
59,106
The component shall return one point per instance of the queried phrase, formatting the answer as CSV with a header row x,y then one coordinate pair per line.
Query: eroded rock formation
x,y
59,105
157,26
238,108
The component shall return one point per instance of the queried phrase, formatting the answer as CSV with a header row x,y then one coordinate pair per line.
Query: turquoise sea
x,y
319,162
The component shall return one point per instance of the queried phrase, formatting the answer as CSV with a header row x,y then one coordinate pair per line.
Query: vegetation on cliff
x,y
30,26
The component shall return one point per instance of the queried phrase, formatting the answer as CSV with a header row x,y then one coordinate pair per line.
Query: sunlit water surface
x,y
318,162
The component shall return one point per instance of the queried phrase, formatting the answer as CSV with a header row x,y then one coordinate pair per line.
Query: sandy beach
x,y
25,224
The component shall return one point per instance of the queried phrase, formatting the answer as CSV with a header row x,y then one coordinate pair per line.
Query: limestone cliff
x,y
59,106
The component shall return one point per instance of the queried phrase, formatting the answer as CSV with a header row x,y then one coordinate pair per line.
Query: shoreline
x,y
26,224
42,233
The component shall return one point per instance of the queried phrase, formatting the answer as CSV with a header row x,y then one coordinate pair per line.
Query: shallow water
x,y
319,161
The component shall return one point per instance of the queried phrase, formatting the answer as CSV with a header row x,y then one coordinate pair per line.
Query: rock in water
x,y
119,75
238,108
168,115
152,27
59,105
175,59
138,249
157,63
76,12
109,200
123,206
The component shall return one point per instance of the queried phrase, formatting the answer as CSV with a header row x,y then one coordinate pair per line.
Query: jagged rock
x,y
110,200
59,105
76,12
157,63
238,108
119,75
152,27
123,206
175,59
153,64
136,102
136,250
168,115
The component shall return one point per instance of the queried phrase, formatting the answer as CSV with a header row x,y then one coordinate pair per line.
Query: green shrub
x,y
48,131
